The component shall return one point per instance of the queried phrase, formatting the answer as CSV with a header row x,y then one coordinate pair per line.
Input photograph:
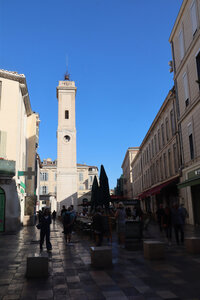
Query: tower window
x,y
66,114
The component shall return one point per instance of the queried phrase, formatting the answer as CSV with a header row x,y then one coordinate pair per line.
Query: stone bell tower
x,y
66,145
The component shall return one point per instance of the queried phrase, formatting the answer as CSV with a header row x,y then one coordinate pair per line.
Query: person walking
x,y
160,213
68,221
54,216
184,212
62,213
120,217
45,222
167,224
97,224
178,222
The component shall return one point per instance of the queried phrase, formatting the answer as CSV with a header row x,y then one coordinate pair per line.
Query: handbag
x,y
39,226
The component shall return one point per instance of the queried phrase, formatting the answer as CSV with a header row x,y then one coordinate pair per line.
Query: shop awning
x,y
156,190
189,182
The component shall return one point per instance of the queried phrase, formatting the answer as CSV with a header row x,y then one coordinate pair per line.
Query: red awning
x,y
156,190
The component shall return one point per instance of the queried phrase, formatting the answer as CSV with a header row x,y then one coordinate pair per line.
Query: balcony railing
x,y
7,168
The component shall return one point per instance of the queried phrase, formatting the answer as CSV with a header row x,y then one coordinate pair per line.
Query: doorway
x,y
2,210
196,203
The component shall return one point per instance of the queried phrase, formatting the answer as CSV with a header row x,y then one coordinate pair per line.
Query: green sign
x,y
29,173
23,185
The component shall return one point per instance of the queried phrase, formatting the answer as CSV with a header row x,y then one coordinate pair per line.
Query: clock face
x,y
66,138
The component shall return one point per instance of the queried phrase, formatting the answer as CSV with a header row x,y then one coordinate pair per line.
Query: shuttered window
x,y
191,144
193,17
181,44
3,139
185,84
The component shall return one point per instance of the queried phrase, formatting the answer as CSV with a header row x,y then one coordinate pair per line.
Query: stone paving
x,y
71,275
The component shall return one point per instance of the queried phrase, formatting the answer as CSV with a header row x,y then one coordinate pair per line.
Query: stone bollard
x,y
153,250
101,257
192,245
37,265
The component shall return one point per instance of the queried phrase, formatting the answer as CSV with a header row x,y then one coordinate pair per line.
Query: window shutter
x,y
41,190
47,190
185,83
181,44
193,17
3,139
189,129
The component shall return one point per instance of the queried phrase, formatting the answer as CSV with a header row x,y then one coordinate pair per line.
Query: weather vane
x,y
67,75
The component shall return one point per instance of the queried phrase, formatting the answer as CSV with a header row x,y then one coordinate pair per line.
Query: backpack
x,y
67,218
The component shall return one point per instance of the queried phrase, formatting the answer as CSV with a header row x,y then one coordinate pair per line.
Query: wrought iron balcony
x,y
7,168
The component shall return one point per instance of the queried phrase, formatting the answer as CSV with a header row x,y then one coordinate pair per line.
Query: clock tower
x,y
66,145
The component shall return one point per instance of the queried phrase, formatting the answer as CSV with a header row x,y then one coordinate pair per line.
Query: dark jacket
x,y
45,222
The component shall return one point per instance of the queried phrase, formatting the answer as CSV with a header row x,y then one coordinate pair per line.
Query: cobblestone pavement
x,y
72,277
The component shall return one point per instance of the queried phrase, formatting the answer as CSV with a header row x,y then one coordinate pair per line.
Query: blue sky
x,y
117,53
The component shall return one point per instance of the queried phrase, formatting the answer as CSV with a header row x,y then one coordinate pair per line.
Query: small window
x,y
193,17
175,158
186,88
167,128
181,44
66,114
159,139
198,68
191,143
44,190
80,176
163,135
172,121
44,176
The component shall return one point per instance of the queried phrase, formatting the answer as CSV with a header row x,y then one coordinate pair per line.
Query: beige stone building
x,y
155,169
127,172
48,184
185,43
19,129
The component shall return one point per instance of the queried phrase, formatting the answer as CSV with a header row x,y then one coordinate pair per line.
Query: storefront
x,y
191,187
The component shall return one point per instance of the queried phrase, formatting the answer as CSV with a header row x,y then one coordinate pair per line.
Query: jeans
x,y
179,228
46,233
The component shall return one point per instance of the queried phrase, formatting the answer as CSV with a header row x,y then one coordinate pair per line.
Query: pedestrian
x,y
184,212
54,216
178,222
63,210
120,216
167,224
45,222
160,213
68,221
97,224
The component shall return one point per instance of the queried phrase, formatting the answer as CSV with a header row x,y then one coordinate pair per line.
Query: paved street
x,y
72,277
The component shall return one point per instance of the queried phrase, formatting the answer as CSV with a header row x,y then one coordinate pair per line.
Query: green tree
x,y
94,195
104,189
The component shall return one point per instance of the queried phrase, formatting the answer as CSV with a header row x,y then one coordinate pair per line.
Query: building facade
x,y
19,133
48,184
156,167
127,172
185,44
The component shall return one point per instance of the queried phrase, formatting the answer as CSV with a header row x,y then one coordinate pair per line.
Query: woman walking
x,y
45,229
